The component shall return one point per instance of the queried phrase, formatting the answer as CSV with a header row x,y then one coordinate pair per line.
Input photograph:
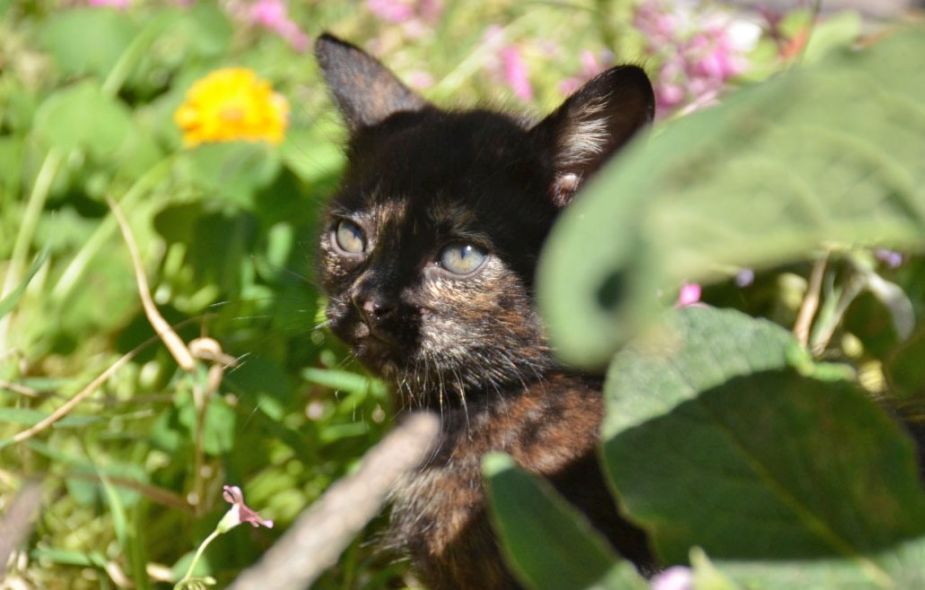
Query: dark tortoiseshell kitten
x,y
428,259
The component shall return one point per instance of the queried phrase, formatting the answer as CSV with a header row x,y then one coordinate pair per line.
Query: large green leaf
x,y
550,544
83,117
833,153
87,40
712,439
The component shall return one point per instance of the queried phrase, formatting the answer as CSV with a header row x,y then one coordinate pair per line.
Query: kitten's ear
x,y
594,123
366,92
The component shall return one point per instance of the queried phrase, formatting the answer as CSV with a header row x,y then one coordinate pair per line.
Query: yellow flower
x,y
232,104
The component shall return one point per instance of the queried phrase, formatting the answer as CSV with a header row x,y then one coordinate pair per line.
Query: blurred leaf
x,y
218,428
217,243
548,543
81,117
344,381
905,367
30,417
69,557
232,171
706,576
12,152
818,155
837,31
9,302
265,382
785,481
87,40
897,303
207,29
312,153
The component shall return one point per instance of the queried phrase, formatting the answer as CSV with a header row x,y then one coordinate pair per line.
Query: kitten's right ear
x,y
366,92
593,124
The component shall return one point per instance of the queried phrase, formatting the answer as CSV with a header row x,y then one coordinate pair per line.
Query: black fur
x,y
420,180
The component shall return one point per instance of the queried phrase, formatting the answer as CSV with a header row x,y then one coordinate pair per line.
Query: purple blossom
x,y
240,512
891,258
674,578
745,277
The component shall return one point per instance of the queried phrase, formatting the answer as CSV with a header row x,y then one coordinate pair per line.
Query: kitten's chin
x,y
378,354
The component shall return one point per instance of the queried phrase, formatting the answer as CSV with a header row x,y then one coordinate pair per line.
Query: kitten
x,y
428,258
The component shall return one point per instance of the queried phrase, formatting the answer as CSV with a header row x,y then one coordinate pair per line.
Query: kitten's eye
x,y
462,259
349,237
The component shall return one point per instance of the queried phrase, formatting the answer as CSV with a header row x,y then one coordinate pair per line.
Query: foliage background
x,y
132,477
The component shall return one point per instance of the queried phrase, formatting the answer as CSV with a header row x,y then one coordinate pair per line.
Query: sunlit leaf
x,y
712,440
830,153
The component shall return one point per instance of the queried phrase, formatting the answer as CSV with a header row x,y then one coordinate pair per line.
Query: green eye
x,y
462,259
349,237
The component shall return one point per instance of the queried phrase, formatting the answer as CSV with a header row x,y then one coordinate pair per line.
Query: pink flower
x,y
508,65
404,11
419,80
674,578
515,73
239,511
272,15
700,51
689,294
393,11
592,64
122,4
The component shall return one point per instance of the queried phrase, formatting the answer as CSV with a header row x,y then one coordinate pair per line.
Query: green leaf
x,y
344,381
549,544
87,40
9,302
839,31
233,171
904,368
12,150
30,417
825,154
712,440
81,117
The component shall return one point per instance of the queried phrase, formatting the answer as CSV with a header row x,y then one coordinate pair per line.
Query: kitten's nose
x,y
374,308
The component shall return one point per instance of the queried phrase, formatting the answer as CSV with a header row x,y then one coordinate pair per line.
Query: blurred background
x,y
208,125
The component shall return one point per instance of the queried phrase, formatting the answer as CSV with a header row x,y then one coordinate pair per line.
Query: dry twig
x,y
18,520
810,302
70,404
172,341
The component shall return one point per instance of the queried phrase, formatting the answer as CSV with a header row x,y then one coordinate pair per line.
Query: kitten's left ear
x,y
592,124
366,92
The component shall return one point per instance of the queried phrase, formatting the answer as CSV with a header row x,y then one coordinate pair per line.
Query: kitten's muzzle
x,y
374,309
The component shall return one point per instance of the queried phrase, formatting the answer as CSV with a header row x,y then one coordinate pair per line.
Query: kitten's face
x,y
429,248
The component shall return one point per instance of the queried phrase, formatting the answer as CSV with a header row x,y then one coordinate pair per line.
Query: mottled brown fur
x,y
469,345
550,428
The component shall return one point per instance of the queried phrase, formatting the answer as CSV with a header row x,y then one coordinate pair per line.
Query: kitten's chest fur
x,y
549,428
